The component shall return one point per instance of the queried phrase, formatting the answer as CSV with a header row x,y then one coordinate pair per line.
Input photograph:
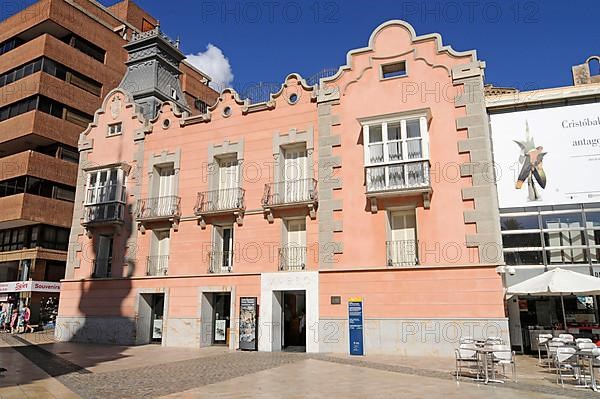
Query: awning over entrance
x,y
29,286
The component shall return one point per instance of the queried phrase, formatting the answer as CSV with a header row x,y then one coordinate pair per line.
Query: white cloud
x,y
214,63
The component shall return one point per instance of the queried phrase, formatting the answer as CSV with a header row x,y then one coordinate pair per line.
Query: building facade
x,y
549,217
370,186
58,59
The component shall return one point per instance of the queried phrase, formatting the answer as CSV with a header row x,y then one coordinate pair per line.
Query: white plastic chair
x,y
586,346
467,340
466,354
551,348
542,340
580,340
566,337
494,341
503,355
566,360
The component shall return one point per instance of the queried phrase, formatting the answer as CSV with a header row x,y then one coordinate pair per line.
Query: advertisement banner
x,y
248,316
29,286
355,326
547,156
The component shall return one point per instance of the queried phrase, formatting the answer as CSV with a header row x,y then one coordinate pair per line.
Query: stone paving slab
x,y
318,379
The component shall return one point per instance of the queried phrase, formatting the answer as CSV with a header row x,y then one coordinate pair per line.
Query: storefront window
x,y
551,235
522,240
524,258
562,221
519,222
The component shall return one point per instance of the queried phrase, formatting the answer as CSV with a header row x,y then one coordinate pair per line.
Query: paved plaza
x,y
38,367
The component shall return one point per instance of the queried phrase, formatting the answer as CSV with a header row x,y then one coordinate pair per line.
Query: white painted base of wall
x,y
410,337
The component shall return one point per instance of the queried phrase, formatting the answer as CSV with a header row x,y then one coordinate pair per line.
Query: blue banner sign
x,y
355,325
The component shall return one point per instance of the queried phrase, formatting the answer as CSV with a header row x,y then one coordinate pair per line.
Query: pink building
x,y
374,184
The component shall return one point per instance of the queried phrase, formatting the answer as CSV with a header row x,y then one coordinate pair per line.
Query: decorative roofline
x,y
137,36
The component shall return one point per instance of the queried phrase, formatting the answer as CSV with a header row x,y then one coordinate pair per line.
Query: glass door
x,y
403,246
295,174
228,180
158,304
222,307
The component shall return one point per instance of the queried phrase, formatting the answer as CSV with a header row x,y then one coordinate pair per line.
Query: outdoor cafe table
x,y
486,352
590,357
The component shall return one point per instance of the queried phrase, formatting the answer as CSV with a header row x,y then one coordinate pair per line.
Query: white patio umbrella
x,y
557,282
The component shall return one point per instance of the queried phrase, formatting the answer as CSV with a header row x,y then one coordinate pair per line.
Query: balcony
x,y
105,214
220,261
32,163
223,202
292,258
23,209
157,265
158,209
397,180
102,268
290,194
402,253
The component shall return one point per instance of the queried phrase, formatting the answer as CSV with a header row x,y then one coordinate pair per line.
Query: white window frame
x,y
114,129
423,126
97,192
422,116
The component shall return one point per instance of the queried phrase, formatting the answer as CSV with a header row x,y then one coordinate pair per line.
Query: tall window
x,y
222,257
402,246
228,182
295,173
158,263
396,154
293,255
104,251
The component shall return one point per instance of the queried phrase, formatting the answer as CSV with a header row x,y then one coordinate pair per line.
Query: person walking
x,y
14,318
26,318
4,316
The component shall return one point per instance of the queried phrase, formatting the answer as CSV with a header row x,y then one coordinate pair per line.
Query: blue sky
x,y
527,44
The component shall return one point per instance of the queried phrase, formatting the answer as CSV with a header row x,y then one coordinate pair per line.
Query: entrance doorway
x,y
158,308
294,321
221,316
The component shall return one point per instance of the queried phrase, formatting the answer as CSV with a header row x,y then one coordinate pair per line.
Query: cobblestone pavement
x,y
268,375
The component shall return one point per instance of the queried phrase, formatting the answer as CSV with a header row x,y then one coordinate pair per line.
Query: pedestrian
x,y
4,316
26,318
14,320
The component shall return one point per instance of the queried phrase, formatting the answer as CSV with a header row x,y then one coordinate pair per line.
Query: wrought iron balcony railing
x,y
220,261
292,258
290,192
103,214
220,201
102,267
402,176
402,253
155,208
158,265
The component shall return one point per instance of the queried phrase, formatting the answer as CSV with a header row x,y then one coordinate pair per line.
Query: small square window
x,y
115,129
393,70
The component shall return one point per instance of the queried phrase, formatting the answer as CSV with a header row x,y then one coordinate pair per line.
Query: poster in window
x,y
157,327
248,314
220,329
